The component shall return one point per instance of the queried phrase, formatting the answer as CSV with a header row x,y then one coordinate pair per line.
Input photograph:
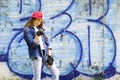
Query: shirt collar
x,y
36,29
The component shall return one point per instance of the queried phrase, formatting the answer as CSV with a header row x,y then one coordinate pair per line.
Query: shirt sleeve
x,y
29,38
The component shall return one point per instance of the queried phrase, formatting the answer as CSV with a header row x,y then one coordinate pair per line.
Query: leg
x,y
54,71
36,65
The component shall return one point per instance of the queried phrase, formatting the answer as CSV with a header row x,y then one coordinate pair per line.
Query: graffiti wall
x,y
84,35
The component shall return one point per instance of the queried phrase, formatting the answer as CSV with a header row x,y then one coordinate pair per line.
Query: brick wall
x,y
84,36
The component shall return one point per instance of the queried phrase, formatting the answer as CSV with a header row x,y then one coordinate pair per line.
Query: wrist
x,y
49,53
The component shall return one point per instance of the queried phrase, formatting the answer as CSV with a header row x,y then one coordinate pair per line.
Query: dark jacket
x,y
33,48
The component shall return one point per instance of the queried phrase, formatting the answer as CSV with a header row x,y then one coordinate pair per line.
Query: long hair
x,y
31,21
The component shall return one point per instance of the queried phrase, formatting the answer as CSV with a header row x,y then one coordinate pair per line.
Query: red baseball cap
x,y
37,14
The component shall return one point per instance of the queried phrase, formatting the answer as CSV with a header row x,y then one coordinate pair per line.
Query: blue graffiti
x,y
20,11
108,71
74,72
89,46
89,20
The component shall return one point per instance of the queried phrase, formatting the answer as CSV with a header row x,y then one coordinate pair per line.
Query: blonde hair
x,y
31,23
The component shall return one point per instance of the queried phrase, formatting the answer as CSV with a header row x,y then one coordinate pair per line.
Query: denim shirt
x,y
33,48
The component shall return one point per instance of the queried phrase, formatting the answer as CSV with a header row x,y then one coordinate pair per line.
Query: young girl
x,y
38,46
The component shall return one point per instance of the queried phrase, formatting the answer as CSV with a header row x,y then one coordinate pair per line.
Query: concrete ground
x,y
6,74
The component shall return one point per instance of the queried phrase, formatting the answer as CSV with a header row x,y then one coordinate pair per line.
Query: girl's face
x,y
37,22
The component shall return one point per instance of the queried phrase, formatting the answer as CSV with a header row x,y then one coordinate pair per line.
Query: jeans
x,y
37,64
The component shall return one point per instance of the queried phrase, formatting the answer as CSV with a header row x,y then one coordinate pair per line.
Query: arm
x,y
29,38
48,44
50,51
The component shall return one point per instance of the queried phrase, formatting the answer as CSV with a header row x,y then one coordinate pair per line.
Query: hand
x,y
37,38
40,32
50,60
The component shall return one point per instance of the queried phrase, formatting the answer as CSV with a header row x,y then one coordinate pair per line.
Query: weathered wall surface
x,y
84,35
